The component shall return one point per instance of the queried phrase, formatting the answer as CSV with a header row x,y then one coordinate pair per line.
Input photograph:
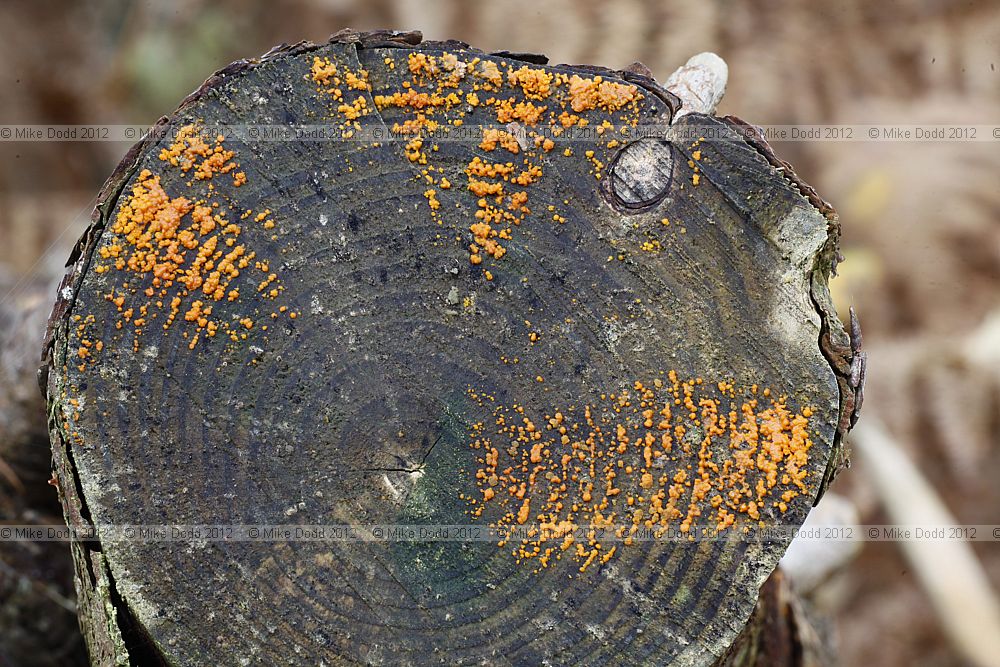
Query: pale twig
x,y
947,570
700,83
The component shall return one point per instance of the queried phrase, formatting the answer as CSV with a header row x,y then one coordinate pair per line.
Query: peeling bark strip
x,y
443,332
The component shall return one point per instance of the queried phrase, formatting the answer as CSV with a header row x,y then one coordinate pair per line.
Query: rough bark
x,y
38,624
359,402
781,632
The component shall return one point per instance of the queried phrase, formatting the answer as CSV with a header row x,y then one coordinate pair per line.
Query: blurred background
x,y
921,239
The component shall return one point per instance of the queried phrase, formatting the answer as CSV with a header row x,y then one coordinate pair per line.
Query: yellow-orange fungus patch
x,y
596,93
530,106
493,138
535,83
333,81
671,455
190,150
177,255
421,64
524,112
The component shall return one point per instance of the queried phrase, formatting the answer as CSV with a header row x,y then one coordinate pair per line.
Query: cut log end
x,y
436,310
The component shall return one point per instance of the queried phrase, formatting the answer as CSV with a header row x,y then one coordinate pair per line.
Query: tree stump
x,y
482,298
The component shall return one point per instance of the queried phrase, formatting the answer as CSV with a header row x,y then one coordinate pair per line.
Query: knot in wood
x,y
641,173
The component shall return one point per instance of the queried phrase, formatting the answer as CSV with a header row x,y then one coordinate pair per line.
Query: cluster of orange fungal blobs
x,y
674,454
532,107
190,150
179,256
344,87
71,408
693,162
597,93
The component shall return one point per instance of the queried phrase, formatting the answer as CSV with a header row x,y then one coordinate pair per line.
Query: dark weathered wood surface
x,y
363,398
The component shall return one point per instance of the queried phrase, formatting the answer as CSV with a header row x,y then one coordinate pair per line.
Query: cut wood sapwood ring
x,y
405,314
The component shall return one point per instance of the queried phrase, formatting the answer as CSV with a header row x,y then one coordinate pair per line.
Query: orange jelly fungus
x,y
177,256
530,107
674,454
